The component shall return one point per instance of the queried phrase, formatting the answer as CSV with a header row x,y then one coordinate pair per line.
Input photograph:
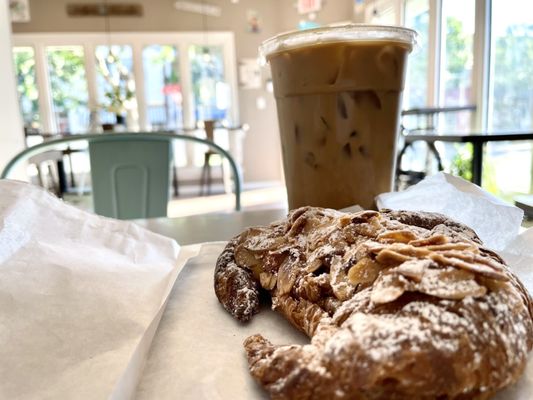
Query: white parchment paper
x,y
497,223
197,353
80,298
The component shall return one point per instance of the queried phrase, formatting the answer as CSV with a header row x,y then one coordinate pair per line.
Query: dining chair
x,y
206,179
46,161
130,172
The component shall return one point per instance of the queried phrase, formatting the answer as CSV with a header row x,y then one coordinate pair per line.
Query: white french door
x,y
175,79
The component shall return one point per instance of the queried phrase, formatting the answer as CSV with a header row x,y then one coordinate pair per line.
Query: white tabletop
x,y
210,227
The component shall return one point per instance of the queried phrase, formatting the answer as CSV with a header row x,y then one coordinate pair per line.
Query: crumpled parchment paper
x,y
80,298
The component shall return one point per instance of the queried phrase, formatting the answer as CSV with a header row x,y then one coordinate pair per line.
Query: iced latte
x,y
338,94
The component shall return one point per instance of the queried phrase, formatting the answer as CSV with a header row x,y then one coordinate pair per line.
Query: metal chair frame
x,y
148,136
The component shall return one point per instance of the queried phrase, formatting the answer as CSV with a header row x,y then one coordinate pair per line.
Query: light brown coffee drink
x,y
338,94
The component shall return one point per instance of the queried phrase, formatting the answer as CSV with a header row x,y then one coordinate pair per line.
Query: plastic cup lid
x,y
338,33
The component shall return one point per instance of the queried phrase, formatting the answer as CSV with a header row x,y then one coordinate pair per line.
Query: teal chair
x,y
130,172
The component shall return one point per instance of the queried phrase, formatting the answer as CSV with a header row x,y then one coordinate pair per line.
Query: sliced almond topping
x,y
404,249
267,280
364,216
287,275
461,255
387,288
313,265
414,269
298,226
476,268
401,236
432,240
488,261
260,243
364,272
390,257
337,278
246,258
453,275
452,246
449,283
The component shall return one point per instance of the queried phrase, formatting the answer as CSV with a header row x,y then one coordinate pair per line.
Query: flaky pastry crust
x,y
398,305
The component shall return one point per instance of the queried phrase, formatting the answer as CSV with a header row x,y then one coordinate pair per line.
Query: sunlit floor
x,y
251,199
254,197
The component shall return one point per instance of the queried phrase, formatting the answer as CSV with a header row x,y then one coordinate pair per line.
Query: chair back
x,y
130,179
130,171
209,127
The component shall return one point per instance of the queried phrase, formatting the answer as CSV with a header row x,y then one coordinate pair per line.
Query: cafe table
x,y
478,141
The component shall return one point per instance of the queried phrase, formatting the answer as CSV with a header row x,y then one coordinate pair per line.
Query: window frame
x,y
180,40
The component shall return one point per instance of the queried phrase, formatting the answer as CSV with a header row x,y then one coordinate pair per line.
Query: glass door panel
x,y
163,94
115,84
511,102
68,87
24,60
511,96
457,56
416,88
162,87
211,93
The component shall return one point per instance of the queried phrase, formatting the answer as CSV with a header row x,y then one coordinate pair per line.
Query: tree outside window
x,y
68,88
24,60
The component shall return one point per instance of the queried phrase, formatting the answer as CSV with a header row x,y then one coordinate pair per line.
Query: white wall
x,y
11,131
332,11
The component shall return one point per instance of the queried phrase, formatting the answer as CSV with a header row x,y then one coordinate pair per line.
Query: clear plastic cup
x,y
338,91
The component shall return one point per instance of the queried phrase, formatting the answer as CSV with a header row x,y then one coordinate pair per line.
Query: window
x,y
163,93
162,87
115,83
457,56
457,52
511,96
157,81
210,90
417,18
474,60
24,59
68,87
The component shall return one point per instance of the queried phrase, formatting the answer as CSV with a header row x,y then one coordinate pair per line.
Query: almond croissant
x,y
398,305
